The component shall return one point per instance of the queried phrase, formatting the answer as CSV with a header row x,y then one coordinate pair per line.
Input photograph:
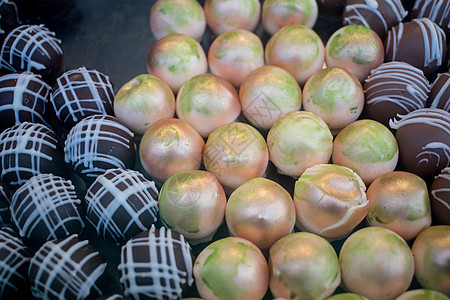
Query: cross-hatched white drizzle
x,y
136,186
161,267
56,264
24,139
433,7
37,38
85,138
442,92
4,207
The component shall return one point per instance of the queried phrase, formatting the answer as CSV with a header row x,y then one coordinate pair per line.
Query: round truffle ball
x,y
33,48
367,147
440,198
99,143
303,266
431,257
226,15
376,263
175,59
436,11
26,150
5,213
207,102
297,49
231,268
394,88
268,93
67,268
297,141
193,203
356,48
335,95
80,93
120,204
235,153
422,294
260,211
156,264
423,138
279,13
177,16
142,101
440,92
47,8
399,201
235,54
347,296
169,146
331,9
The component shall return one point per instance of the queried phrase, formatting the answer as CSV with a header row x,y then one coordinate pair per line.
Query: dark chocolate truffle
x,y
5,214
394,88
80,93
33,48
378,15
121,203
99,143
26,150
440,198
23,98
67,268
440,92
47,8
437,11
156,264
419,42
423,138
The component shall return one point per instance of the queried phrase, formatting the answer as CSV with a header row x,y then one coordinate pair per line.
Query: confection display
x,y
356,48
175,59
226,15
268,93
422,294
242,275
430,250
367,147
80,93
297,49
297,141
436,11
330,201
26,150
5,214
279,13
331,9
260,211
142,101
425,37
120,204
303,266
423,138
168,146
192,203
235,153
377,15
177,16
394,88
35,49
47,8
399,201
98,143
376,263
207,102
347,296
335,95
440,197
440,92
67,268
156,264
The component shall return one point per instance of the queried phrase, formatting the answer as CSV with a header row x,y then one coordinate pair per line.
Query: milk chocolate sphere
x,y
303,266
440,198
422,294
440,92
231,268
436,11
376,263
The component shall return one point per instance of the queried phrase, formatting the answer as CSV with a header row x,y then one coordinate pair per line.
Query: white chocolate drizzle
x,y
445,174
442,91
4,209
433,7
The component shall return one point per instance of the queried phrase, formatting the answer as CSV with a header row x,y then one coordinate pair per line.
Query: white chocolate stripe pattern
x,y
433,7
442,92
446,176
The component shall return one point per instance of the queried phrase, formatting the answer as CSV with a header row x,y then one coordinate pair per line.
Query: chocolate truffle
x,y
440,92
394,88
242,275
156,264
440,198
422,35
422,294
67,268
28,149
423,138
436,11
303,266
47,8
378,15
33,48
376,263
99,143
120,204
80,93
5,213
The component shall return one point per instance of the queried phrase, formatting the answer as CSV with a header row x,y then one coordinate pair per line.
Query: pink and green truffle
x,y
422,294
